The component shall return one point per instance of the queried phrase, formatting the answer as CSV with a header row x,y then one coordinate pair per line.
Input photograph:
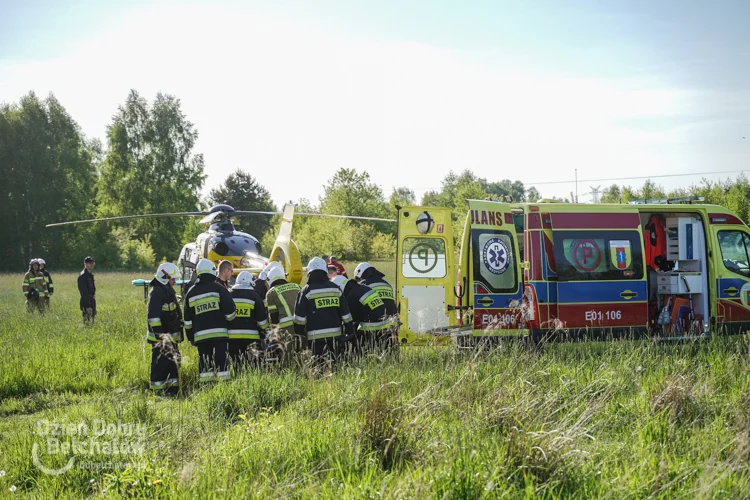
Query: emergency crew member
x,y
34,288
281,299
339,267
246,330
261,286
321,312
47,279
371,323
226,269
164,329
208,310
371,277
87,289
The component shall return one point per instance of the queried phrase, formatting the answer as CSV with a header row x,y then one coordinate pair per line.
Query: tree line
x,y
53,172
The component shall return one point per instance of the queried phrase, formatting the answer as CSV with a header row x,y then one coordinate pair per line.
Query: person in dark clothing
x,y
164,330
321,312
371,323
87,289
261,286
367,275
226,269
209,309
247,329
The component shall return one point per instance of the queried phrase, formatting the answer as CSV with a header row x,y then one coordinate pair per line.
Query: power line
x,y
638,177
614,178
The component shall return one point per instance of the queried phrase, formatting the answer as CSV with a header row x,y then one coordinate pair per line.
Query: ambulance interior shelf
x,y
676,258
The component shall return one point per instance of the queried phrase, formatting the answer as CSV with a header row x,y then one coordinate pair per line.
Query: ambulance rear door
x,y
425,274
495,271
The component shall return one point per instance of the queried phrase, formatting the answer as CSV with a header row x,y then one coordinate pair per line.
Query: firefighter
x,y
47,280
246,330
164,329
35,288
87,289
367,275
261,286
371,322
226,269
281,298
208,310
321,312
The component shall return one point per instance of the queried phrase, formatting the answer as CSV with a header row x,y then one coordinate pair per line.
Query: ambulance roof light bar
x,y
669,201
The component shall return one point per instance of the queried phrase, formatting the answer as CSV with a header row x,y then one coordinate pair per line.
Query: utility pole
x,y
576,185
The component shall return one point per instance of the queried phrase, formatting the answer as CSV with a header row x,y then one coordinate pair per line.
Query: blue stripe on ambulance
x,y
587,292
724,284
498,300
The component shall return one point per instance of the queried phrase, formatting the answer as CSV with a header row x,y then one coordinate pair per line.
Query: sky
x,y
291,91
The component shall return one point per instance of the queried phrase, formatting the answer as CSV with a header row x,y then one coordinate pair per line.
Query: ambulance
x,y
670,268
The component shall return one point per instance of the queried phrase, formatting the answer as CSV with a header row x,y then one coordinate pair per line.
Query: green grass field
x,y
619,420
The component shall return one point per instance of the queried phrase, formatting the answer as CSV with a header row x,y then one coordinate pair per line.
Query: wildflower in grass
x,y
13,488
2,473
157,481
243,416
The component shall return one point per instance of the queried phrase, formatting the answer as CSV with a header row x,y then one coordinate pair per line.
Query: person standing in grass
x,y
209,309
322,313
164,329
246,330
281,298
87,289
368,313
35,288
367,275
47,280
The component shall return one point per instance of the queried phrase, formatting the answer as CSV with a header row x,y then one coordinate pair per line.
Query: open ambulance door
x,y
493,259
425,275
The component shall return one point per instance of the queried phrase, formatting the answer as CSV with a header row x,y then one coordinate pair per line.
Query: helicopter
x,y
222,241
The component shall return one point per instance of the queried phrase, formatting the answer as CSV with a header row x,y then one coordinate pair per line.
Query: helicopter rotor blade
x,y
125,217
302,214
352,217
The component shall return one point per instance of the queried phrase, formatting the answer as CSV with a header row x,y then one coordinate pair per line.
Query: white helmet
x,y
360,270
263,276
275,273
245,279
273,264
205,266
166,272
317,264
41,262
339,281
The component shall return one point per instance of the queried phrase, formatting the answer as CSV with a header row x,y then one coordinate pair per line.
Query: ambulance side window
x,y
494,262
735,248
598,255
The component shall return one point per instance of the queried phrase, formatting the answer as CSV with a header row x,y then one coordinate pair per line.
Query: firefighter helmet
x,y
317,264
41,262
360,270
245,279
275,273
205,266
339,281
166,272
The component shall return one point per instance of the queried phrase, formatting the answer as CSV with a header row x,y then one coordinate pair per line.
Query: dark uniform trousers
x,y
165,362
213,359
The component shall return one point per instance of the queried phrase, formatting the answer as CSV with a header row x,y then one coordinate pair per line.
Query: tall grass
x,y
617,420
